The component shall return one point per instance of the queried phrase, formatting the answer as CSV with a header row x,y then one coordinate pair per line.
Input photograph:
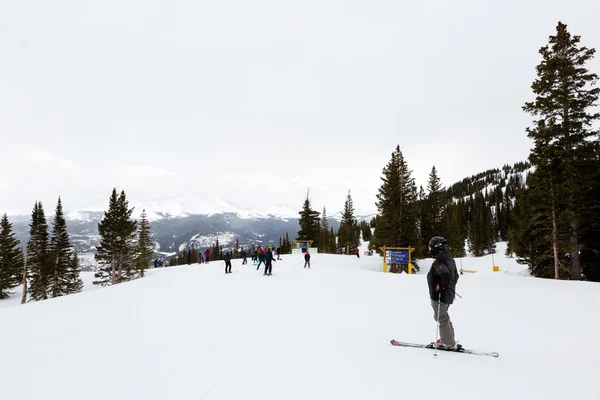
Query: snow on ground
x,y
193,332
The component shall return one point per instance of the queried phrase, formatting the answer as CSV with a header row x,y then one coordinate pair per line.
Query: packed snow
x,y
193,332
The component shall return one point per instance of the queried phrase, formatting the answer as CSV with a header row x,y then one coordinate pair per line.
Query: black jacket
x,y
306,256
443,272
268,258
227,257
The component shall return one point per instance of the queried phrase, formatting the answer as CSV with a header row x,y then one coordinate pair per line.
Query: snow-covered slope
x,y
192,332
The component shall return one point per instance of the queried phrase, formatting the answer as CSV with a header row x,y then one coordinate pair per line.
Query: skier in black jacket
x,y
268,262
307,259
442,279
227,258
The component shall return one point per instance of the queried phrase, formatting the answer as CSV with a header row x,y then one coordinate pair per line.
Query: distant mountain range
x,y
178,222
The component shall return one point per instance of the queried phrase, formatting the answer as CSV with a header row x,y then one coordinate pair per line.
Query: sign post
x,y
397,255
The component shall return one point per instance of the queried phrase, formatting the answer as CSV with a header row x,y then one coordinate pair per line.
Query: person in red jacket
x,y
356,251
207,255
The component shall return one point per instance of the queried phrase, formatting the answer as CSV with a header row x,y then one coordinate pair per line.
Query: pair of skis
x,y
458,349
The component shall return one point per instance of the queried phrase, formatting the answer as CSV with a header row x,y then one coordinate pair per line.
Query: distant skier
x,y
268,262
442,279
278,252
161,262
307,259
357,252
261,257
227,258
207,256
244,255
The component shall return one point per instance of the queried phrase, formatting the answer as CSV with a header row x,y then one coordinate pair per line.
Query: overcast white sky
x,y
257,101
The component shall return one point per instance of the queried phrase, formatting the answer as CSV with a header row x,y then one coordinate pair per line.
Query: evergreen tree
x,y
397,223
452,231
480,228
117,233
144,249
590,255
60,254
215,252
365,230
10,258
563,135
287,243
309,223
349,231
38,262
75,284
325,241
236,250
431,209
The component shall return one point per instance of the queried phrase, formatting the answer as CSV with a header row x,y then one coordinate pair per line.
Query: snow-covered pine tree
x,y
74,282
144,248
59,254
117,232
10,258
38,262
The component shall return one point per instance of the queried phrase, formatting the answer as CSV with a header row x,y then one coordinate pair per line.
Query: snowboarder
x,y
156,262
227,258
442,279
244,257
207,256
357,252
268,262
307,259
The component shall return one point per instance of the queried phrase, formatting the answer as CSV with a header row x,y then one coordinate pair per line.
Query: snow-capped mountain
x,y
188,205
178,222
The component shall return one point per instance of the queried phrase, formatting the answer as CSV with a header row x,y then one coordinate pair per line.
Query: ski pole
x,y
455,293
438,323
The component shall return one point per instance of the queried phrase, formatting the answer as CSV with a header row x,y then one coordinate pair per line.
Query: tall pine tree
x,y
39,264
75,284
309,223
144,248
349,232
10,258
564,139
117,233
60,254
397,222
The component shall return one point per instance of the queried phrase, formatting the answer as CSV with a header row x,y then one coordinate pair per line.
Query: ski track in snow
x,y
193,332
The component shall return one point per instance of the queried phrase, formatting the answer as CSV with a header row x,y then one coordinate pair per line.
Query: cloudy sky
x,y
258,101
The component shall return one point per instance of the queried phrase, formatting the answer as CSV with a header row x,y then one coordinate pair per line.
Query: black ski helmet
x,y
437,244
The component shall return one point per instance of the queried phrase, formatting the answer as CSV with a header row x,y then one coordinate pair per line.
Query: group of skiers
x,y
259,255
441,279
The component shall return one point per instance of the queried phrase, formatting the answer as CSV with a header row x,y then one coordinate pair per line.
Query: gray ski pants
x,y
446,328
